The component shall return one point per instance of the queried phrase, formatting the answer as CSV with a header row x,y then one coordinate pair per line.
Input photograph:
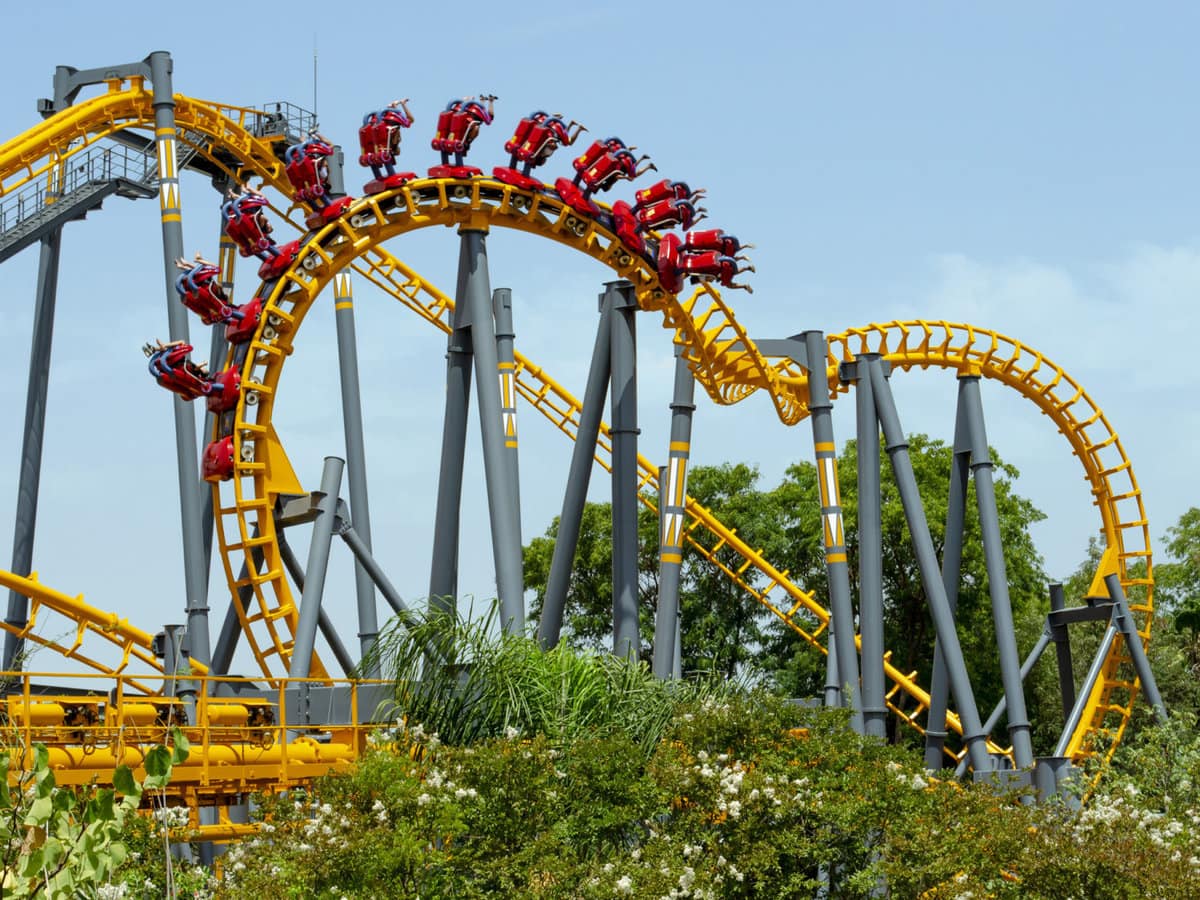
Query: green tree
x,y
907,623
722,630
1177,581
726,632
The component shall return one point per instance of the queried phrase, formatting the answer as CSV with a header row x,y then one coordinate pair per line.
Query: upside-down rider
x,y
173,369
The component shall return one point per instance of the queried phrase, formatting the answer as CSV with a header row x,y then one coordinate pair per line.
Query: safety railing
x,y
244,736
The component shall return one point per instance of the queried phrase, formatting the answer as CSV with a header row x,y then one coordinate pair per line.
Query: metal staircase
x,y
78,187
125,166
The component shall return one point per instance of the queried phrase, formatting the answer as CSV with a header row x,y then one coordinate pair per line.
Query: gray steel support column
x,y
217,350
362,553
506,540
1062,650
956,514
356,454
315,571
324,623
623,401
229,635
507,373
1133,643
935,590
993,553
672,481
1089,682
186,449
29,479
677,660
870,555
837,569
1035,654
231,627
578,476
833,690
443,572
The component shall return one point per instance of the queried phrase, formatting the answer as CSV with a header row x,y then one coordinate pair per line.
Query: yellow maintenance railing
x,y
726,363
239,744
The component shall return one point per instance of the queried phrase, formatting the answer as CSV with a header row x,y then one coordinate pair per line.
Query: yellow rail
x,y
238,745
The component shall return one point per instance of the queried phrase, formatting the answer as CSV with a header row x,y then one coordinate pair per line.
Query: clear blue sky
x,y
1029,170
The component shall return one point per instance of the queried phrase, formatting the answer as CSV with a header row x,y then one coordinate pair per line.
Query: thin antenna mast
x,y
314,79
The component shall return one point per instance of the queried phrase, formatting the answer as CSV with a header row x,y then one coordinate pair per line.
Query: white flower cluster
x,y
401,732
171,816
111,891
914,781
1122,811
441,787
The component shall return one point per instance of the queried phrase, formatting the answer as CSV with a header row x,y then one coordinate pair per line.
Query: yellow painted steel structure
x,y
724,360
238,746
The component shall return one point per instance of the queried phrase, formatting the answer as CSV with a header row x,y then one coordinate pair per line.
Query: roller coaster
x,y
295,719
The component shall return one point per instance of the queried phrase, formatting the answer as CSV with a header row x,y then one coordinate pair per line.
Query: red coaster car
x,y
625,223
173,369
667,190
224,390
199,288
575,198
238,331
601,165
274,266
379,140
715,239
247,225
217,462
457,127
669,274
712,265
669,213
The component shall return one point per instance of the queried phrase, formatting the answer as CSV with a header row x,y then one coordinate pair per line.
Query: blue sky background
x,y
1029,170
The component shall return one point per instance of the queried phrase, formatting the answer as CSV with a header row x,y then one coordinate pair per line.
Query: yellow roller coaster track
x,y
723,358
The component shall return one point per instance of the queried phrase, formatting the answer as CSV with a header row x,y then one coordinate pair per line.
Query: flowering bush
x,y
743,797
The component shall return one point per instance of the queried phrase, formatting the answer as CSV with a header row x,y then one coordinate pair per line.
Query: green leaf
x,y
125,783
158,762
40,811
181,745
33,863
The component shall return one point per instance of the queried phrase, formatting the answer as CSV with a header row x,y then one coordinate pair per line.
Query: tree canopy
x,y
726,632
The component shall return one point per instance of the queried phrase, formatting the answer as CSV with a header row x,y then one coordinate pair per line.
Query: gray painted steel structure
x,y
956,512
1001,706
993,552
1089,682
578,477
506,531
943,617
623,387
356,458
506,376
316,569
443,573
870,551
672,481
1123,619
1062,650
29,479
324,621
837,570
186,448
